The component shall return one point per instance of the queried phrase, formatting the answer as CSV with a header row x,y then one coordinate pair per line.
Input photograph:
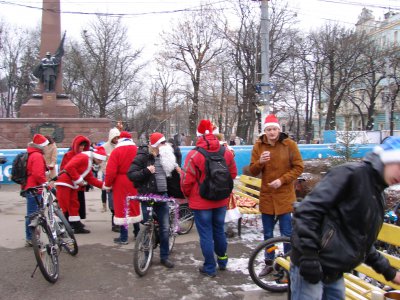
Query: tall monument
x,y
50,102
50,111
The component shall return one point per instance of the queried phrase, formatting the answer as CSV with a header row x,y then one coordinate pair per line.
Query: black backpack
x,y
18,172
218,183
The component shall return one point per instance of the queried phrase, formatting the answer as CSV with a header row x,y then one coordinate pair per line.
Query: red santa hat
x,y
124,135
100,153
40,140
156,139
205,127
271,120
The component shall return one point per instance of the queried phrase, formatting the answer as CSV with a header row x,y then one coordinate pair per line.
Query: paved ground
x,y
102,270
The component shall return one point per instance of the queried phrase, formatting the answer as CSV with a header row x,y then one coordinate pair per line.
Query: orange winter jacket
x,y
286,164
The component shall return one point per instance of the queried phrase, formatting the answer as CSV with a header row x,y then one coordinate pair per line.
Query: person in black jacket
x,y
150,172
336,225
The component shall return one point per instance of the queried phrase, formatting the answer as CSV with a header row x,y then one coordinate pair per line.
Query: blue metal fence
x,y
242,155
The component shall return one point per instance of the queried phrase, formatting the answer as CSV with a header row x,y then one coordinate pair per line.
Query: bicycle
x,y
185,219
51,232
278,280
148,237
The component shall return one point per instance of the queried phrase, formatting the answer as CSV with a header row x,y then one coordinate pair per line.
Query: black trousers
x,y
82,204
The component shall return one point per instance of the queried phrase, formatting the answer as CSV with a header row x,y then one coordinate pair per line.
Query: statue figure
x,y
47,70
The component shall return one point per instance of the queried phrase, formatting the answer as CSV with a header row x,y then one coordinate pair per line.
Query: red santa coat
x,y
117,167
78,169
35,168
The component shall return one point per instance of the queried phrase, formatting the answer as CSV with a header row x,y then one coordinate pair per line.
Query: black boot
x,y
78,228
267,269
114,227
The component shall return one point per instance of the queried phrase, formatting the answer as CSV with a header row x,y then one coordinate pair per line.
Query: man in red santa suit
x,y
78,172
116,179
79,144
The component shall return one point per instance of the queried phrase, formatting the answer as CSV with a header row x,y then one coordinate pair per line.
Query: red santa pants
x,y
68,200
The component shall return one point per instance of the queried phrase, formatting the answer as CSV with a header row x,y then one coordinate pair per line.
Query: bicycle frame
x,y
148,237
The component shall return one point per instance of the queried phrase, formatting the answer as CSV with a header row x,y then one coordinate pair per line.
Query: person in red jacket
x,y
209,215
116,179
78,172
36,175
79,144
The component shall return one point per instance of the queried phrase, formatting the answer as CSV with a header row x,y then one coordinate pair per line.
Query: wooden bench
x,y
357,288
248,187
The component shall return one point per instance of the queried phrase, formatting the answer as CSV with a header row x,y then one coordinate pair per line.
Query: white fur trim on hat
x,y
162,139
271,124
392,156
389,155
44,143
99,156
200,134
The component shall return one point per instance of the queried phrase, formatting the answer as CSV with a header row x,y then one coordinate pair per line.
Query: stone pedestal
x,y
49,106
17,133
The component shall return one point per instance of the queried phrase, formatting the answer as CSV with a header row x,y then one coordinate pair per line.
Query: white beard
x,y
167,159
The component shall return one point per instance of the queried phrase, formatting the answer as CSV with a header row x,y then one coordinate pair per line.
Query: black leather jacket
x,y
339,221
144,181
142,178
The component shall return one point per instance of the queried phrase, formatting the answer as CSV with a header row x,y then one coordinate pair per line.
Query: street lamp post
x,y
264,86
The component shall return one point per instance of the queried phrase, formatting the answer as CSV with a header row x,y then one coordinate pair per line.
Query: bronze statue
x,y
47,70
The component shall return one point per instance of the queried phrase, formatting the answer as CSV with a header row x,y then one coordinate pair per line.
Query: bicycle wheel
x,y
172,233
66,234
278,279
143,250
45,251
185,220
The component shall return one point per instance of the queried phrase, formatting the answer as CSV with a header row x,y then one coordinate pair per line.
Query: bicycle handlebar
x,y
34,189
151,198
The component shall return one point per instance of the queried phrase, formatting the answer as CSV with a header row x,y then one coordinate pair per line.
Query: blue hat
x,y
389,151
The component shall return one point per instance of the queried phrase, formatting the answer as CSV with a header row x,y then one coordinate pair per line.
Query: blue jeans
x,y
210,226
31,207
162,211
285,227
123,233
301,289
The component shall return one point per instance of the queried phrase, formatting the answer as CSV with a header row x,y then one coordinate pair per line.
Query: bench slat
x,y
361,282
393,260
285,263
390,234
250,180
358,290
249,190
248,210
363,268
350,294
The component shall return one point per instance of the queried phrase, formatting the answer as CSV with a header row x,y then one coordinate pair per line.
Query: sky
x,y
147,18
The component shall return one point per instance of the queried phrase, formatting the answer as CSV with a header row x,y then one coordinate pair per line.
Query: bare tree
x,y
243,52
393,84
17,57
100,70
190,48
341,50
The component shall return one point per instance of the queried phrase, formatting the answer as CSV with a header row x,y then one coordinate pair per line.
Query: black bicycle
x,y
278,279
51,232
149,237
